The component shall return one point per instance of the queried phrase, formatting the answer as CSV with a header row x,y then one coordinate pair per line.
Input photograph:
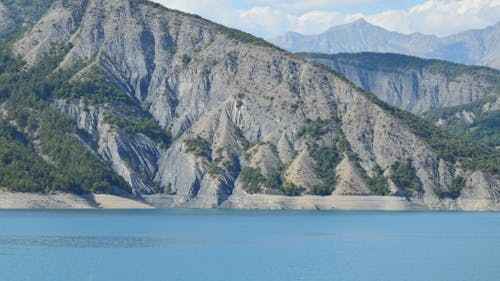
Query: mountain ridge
x,y
460,98
244,117
463,99
479,46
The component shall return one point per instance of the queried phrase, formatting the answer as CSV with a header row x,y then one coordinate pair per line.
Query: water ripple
x,y
93,241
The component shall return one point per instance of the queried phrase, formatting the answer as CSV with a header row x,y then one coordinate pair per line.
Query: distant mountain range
x,y
479,47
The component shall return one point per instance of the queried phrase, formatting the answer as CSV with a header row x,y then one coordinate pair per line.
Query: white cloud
x,y
294,6
269,18
440,17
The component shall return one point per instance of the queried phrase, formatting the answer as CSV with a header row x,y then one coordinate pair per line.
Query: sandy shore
x,y
114,202
19,200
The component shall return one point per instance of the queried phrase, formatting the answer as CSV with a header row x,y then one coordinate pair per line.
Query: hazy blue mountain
x,y
479,47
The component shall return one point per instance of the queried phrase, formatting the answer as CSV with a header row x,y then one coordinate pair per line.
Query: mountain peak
x,y
358,24
360,21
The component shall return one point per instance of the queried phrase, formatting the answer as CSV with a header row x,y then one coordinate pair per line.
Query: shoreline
x,y
18,200
59,200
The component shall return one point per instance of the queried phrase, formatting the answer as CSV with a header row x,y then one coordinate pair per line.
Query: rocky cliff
x,y
463,99
248,120
15,15
478,47
4,17
414,84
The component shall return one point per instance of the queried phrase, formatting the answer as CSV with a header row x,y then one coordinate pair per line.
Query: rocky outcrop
x,y
479,47
414,84
132,157
4,17
232,102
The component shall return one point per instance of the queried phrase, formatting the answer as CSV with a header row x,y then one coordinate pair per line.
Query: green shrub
x,y
198,146
326,158
404,176
144,124
315,128
378,184
457,185
322,190
186,59
252,180
291,189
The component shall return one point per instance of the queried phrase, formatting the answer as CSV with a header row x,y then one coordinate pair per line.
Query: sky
x,y
271,18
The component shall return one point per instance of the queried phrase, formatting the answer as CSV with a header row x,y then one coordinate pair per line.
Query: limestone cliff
x,y
247,117
4,17
460,98
411,83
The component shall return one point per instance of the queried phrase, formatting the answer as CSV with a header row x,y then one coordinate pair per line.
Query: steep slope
x,y
4,17
463,99
411,83
478,120
478,47
16,15
250,120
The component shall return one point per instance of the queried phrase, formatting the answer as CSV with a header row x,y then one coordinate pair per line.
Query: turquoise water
x,y
223,245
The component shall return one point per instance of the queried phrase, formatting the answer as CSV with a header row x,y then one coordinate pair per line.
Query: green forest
x,y
26,95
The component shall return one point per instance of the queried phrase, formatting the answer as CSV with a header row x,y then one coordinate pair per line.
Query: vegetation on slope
x,y
23,13
484,128
22,169
144,124
27,96
253,181
457,184
454,148
403,174
397,62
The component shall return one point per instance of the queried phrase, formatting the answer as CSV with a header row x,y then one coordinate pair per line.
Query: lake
x,y
218,245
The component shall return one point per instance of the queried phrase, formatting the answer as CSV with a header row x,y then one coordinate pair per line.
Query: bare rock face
x,y
350,181
301,171
56,25
232,102
132,157
4,17
481,193
414,84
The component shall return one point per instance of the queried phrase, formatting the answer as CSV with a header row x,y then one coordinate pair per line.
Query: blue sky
x,y
340,6
270,18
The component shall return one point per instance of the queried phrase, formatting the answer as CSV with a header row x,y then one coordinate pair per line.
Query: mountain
x,y
479,47
413,84
127,97
463,99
